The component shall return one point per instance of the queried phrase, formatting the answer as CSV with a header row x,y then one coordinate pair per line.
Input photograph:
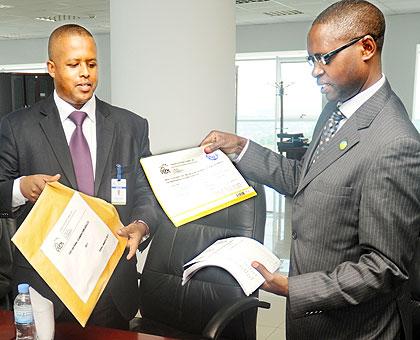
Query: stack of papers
x,y
235,254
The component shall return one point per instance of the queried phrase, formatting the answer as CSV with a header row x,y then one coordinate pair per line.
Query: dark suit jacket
x,y
32,141
356,217
7,228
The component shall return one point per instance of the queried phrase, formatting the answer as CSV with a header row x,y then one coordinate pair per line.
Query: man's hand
x,y
227,142
274,283
32,186
134,232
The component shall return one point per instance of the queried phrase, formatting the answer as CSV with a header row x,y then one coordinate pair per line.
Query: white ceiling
x,y
18,17
255,12
19,21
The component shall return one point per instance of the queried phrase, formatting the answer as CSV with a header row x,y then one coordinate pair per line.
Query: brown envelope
x,y
33,231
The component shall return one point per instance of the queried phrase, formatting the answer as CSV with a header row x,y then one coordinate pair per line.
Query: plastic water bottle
x,y
24,318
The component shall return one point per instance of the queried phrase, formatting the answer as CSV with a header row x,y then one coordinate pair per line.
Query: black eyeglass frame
x,y
325,58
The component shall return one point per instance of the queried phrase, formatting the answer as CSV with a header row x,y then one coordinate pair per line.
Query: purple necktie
x,y
80,154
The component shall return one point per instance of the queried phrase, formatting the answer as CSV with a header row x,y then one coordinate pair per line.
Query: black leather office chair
x,y
415,291
211,304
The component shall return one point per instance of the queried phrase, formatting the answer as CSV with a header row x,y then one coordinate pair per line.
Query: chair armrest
x,y
219,321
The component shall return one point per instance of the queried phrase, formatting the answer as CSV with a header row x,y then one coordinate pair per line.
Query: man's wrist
x,y
147,230
244,146
17,197
241,144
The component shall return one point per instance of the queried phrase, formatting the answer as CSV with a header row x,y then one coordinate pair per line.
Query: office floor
x,y
271,322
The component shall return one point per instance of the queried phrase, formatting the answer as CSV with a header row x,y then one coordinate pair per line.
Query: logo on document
x,y
164,169
58,244
212,156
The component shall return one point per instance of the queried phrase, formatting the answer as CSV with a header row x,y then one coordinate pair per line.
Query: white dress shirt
x,y
352,105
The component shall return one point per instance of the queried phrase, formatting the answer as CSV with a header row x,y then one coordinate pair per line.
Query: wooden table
x,y
71,331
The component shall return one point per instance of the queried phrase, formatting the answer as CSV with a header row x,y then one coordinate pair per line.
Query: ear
x,y
369,48
51,68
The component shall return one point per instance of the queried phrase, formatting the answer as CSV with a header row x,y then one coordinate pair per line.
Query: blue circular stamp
x,y
212,156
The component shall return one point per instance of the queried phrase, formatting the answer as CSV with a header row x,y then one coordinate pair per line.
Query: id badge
x,y
119,191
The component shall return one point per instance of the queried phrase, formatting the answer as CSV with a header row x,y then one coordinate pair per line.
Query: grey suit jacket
x,y
32,141
356,217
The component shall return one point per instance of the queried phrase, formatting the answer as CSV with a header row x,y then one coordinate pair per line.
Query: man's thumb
x,y
52,178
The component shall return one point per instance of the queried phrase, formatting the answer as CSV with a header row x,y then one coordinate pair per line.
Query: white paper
x,y
80,245
190,182
43,310
235,254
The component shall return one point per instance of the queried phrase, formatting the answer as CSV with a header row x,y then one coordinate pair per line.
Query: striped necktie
x,y
328,132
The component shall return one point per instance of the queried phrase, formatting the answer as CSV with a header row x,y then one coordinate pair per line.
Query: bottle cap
x,y
23,288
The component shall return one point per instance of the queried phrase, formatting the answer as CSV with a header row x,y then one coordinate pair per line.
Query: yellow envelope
x,y
33,231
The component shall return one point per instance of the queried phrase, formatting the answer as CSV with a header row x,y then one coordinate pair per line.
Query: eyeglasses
x,y
326,57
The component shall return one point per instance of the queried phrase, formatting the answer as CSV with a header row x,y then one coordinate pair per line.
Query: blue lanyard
x,y
119,171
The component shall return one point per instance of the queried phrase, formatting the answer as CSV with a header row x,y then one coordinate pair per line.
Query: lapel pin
x,y
342,145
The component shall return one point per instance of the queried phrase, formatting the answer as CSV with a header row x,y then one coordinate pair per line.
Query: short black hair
x,y
355,18
68,29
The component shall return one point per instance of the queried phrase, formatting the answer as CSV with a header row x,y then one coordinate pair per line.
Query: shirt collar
x,y
350,106
65,109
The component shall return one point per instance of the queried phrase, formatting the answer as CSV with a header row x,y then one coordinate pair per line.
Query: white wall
x,y
273,37
176,67
402,35
34,51
399,60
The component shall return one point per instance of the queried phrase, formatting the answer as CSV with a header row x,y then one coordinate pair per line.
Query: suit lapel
x,y
346,138
105,128
53,129
340,144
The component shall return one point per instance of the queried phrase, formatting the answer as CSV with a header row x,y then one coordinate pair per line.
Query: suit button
x,y
294,235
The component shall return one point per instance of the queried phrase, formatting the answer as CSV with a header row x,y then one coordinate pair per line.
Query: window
x,y
258,118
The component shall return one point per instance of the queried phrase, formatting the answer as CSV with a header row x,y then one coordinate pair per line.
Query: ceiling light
x,y
10,36
282,13
45,19
240,2
65,17
5,6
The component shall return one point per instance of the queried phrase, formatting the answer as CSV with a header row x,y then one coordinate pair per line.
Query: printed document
x,y
235,254
80,245
190,184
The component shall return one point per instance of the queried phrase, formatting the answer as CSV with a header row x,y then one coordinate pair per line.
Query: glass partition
x,y
258,118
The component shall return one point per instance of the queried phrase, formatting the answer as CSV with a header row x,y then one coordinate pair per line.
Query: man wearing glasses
x,y
356,192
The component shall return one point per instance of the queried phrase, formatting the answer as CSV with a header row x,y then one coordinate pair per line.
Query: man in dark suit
x,y
35,148
356,193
